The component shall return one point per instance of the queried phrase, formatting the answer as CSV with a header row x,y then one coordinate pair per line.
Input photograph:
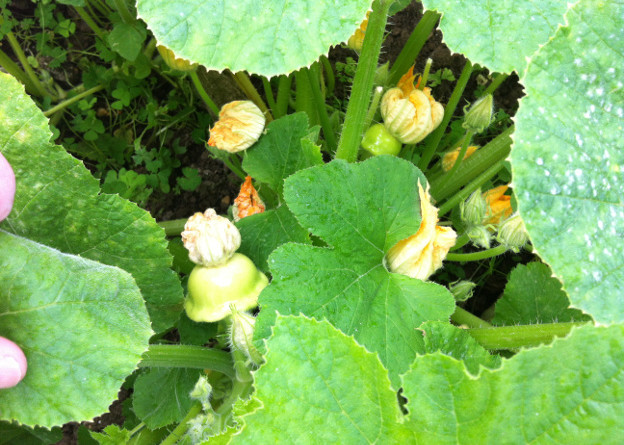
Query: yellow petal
x,y
239,126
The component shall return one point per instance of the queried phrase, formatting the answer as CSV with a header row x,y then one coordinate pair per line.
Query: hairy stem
x,y
319,102
186,356
353,127
183,426
513,337
500,78
476,256
462,316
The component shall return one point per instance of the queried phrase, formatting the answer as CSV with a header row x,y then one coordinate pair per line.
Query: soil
x,y
219,186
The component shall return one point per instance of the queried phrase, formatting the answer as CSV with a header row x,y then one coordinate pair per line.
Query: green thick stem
x,y
124,12
203,94
268,93
62,105
84,15
353,127
460,242
183,426
434,139
500,78
13,69
463,317
244,82
173,227
513,337
330,80
476,256
319,101
304,98
283,95
425,75
470,188
34,80
460,157
412,47
370,115
496,150
186,356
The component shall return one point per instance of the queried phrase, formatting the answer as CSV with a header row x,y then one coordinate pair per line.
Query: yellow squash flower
x,y
356,40
247,202
420,255
499,205
239,126
410,114
449,159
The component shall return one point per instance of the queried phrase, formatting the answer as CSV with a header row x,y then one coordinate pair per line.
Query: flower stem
x,y
462,316
460,157
234,167
434,139
203,94
513,337
173,227
124,12
496,150
183,426
321,109
413,46
186,356
62,105
471,187
283,94
329,74
500,78
244,82
476,256
268,93
84,15
353,127
425,76
461,242
15,46
370,114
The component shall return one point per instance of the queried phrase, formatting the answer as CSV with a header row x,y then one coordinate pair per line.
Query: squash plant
x,y
352,352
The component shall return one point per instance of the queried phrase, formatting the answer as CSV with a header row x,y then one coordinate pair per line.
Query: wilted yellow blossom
x,y
356,40
239,126
410,114
499,205
210,239
421,254
247,202
449,159
175,62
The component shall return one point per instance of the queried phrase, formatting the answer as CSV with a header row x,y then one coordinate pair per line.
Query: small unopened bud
x,y
479,236
239,126
479,115
449,159
462,290
499,204
512,233
176,63
247,202
210,239
202,392
474,209
241,335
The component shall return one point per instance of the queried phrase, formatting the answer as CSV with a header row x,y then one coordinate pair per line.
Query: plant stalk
x,y
460,157
186,356
500,78
462,316
183,426
124,12
62,105
14,70
283,95
244,82
321,109
203,94
15,46
513,337
476,256
173,227
353,127
84,15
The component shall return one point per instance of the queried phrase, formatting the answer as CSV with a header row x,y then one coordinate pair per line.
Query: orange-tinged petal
x,y
449,159
356,40
499,204
247,202
421,254
239,126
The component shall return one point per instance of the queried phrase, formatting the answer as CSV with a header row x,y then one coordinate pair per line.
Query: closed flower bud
x,y
479,115
356,40
474,209
239,126
241,335
512,233
378,141
462,290
210,239
410,114
247,202
479,236
499,205
449,159
202,392
174,62
422,254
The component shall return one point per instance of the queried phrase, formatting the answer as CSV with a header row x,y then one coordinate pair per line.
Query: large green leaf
x,y
82,326
319,386
568,157
532,295
498,34
361,211
57,204
570,392
267,37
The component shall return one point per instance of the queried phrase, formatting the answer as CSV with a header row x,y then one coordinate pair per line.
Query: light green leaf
x,y
568,157
263,232
498,34
532,295
57,204
127,40
570,392
457,343
82,326
161,395
265,37
112,435
319,386
285,149
23,435
361,212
